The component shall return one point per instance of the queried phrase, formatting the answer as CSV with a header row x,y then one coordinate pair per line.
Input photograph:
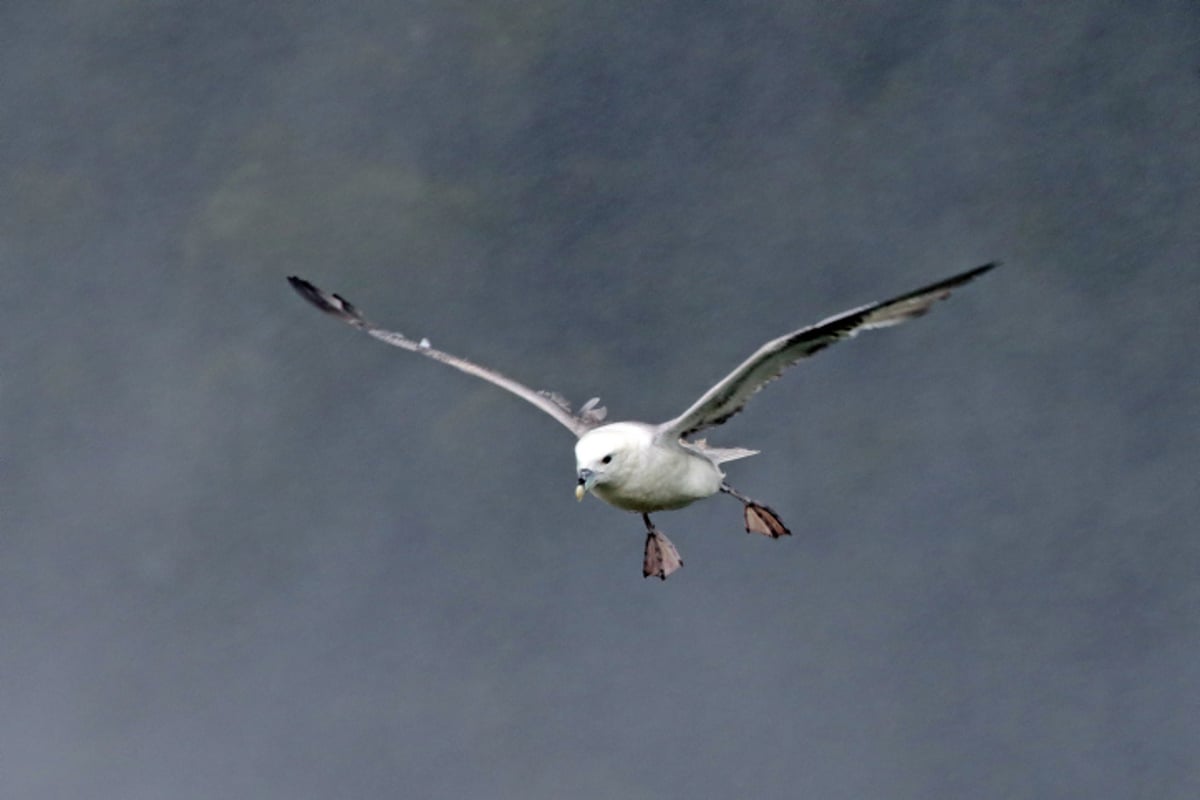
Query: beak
x,y
587,479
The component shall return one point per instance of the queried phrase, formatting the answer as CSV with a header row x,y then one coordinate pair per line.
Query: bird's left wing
x,y
730,395
552,404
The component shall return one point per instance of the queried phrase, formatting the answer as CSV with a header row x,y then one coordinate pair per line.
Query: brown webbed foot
x,y
760,519
661,557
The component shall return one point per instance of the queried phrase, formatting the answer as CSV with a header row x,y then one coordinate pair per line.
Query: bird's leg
x,y
661,558
759,518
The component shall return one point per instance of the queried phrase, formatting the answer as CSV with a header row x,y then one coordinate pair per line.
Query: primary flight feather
x,y
643,467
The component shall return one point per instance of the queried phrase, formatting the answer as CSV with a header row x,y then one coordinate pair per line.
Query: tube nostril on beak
x,y
586,478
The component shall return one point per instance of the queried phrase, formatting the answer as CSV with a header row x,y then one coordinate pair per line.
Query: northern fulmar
x,y
643,467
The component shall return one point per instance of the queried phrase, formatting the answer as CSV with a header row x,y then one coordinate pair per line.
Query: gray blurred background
x,y
245,552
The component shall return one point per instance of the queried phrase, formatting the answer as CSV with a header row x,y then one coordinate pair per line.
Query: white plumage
x,y
643,467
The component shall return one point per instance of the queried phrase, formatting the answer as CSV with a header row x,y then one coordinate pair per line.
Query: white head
x,y
604,455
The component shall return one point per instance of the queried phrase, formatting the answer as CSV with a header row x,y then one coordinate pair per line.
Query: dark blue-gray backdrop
x,y
248,553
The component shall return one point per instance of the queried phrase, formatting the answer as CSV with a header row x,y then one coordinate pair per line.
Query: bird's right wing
x,y
733,392
553,404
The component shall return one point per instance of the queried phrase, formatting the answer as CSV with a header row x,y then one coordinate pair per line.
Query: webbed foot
x,y
761,519
661,557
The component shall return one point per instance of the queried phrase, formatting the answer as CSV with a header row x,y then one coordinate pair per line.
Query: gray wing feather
x,y
731,395
339,307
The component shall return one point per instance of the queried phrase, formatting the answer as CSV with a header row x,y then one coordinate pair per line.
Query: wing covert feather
x,y
732,393
337,306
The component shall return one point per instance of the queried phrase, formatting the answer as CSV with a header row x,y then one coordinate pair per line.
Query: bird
x,y
645,467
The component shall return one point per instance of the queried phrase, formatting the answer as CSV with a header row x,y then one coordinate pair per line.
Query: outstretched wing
x,y
730,395
552,404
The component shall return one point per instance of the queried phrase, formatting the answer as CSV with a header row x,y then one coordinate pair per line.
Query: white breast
x,y
661,477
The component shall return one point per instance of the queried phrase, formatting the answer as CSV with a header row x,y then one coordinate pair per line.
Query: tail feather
x,y
719,455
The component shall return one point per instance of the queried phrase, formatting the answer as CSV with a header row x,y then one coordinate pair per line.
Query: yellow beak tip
x,y
580,492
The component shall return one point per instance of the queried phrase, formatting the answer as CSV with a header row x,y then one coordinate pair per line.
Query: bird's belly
x,y
664,487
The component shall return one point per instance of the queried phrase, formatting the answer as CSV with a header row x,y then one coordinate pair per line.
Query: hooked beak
x,y
587,479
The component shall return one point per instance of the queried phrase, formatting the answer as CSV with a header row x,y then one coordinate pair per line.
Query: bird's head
x,y
604,455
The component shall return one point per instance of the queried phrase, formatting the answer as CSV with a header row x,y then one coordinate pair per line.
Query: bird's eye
x,y
607,459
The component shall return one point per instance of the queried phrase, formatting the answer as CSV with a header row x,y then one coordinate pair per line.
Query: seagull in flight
x,y
644,467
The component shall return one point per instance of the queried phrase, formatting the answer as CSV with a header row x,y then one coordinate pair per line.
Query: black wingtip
x,y
309,292
329,303
971,274
948,284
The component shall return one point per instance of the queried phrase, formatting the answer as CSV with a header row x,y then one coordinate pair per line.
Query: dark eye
x,y
607,459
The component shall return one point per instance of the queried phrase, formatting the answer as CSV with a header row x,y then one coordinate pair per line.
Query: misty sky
x,y
247,553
